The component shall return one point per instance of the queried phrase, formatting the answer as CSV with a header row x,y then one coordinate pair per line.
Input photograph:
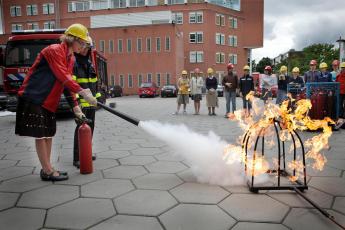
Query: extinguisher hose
x,y
126,117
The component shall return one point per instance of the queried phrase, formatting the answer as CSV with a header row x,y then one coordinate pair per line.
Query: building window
x,y
119,46
130,81
129,45
16,27
136,3
220,58
33,26
196,56
111,46
158,44
167,80
167,44
178,17
158,79
220,39
99,4
31,10
233,22
233,41
233,58
148,44
140,79
122,81
149,77
78,6
220,20
139,45
173,2
49,25
48,8
196,17
102,45
196,37
112,78
118,3
16,11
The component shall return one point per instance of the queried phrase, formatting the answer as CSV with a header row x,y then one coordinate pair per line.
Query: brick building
x,y
151,40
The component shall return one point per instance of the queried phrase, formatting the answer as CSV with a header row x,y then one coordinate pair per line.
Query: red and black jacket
x,y
48,76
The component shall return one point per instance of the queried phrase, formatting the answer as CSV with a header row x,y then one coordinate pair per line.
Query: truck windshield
x,y
23,53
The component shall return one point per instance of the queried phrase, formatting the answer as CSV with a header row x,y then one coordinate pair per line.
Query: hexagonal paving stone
x,y
166,167
100,164
199,193
152,144
339,204
80,213
249,207
23,184
196,217
238,189
7,163
113,154
330,185
14,172
80,179
106,188
124,146
22,218
125,172
137,160
169,157
187,176
301,219
258,226
8,200
129,223
326,171
49,196
144,202
339,164
146,151
157,181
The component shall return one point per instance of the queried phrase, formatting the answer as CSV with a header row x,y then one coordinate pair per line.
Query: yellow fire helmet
x,y
342,65
246,67
323,65
79,31
283,68
295,70
209,70
184,72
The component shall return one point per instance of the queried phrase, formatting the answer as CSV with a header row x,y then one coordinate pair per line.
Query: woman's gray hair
x,y
68,39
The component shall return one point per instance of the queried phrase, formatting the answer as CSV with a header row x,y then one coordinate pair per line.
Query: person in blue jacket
x,y
325,76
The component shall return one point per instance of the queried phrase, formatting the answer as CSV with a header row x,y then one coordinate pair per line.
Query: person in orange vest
x,y
39,96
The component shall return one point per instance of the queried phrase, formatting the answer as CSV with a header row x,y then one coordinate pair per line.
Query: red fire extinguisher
x,y
85,148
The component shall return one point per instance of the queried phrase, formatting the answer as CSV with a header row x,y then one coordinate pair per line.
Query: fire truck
x,y
21,51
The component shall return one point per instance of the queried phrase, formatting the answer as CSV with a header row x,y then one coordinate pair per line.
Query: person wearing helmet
x,y
312,75
341,79
230,83
196,84
85,76
266,83
211,96
183,92
336,70
296,82
41,91
324,76
283,80
246,85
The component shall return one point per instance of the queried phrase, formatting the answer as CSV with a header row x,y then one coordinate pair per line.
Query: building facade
x,y
151,40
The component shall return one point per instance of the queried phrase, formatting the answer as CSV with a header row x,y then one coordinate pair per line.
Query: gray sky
x,y
294,24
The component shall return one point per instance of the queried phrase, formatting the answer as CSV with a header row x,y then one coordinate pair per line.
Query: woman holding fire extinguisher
x,y
40,94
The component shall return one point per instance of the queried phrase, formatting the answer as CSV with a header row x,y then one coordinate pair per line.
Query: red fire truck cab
x,y
21,51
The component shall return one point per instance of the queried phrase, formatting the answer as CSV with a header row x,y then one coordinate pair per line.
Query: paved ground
x,y
140,184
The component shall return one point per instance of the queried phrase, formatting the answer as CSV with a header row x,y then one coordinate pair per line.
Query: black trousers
x,y
90,114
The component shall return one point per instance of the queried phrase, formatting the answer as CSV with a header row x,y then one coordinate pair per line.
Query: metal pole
x,y
130,119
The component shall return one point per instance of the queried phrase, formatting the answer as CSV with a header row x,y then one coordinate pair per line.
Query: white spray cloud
x,y
204,153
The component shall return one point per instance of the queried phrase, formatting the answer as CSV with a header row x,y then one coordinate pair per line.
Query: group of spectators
x,y
233,85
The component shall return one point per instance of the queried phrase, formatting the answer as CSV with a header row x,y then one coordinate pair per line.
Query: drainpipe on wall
x,y
57,14
2,24
250,62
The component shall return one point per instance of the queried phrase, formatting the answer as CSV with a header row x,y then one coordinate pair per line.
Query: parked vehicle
x,y
220,91
169,91
115,91
3,99
63,106
148,89
21,51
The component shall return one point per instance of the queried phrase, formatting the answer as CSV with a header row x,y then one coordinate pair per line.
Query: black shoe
x,y
76,164
214,114
50,177
60,172
94,158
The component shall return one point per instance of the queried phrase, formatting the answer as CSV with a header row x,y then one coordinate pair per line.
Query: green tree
x,y
260,67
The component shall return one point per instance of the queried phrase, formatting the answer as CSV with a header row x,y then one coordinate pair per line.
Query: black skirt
x,y
34,120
